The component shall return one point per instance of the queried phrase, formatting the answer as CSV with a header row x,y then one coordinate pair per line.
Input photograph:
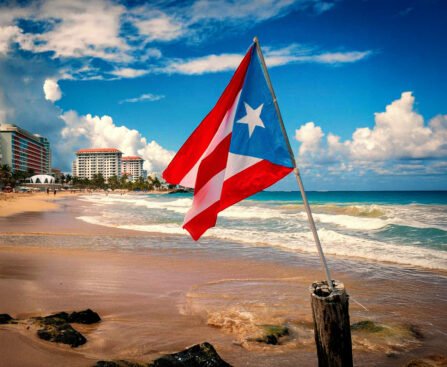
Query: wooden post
x,y
330,311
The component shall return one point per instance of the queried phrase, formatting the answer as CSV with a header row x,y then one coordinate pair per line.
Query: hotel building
x,y
132,167
89,162
23,151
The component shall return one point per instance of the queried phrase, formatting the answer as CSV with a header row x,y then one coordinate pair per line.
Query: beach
x,y
158,292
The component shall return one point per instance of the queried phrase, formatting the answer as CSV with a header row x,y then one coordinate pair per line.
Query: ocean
x,y
403,227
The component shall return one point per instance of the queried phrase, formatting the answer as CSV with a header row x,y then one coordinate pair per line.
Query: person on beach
x,y
54,192
48,191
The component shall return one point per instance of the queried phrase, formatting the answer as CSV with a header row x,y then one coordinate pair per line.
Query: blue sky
x,y
361,84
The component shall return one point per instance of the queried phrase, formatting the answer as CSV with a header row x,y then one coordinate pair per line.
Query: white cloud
x,y
52,91
144,97
310,137
101,132
337,57
398,134
80,28
156,25
251,11
84,29
274,57
205,64
7,34
129,72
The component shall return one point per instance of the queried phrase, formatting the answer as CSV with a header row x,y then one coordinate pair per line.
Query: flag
x,y
238,150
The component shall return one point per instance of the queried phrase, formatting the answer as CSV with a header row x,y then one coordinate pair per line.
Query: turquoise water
x,y
404,227
371,197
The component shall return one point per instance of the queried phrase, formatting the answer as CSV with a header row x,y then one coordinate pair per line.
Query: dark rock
x,y
273,333
55,319
61,333
367,325
5,318
84,317
200,355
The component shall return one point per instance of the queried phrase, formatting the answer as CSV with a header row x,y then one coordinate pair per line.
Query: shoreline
x,y
61,220
160,294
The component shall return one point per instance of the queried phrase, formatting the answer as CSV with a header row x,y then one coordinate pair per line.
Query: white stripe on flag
x,y
225,128
207,196
237,163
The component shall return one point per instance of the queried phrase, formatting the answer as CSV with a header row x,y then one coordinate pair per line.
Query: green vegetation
x,y
367,325
117,183
272,334
9,178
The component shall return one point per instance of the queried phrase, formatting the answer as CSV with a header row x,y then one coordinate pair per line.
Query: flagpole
x,y
296,170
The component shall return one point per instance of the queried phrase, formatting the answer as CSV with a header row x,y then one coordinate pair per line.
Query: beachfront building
x,y
42,179
24,151
89,162
46,144
132,166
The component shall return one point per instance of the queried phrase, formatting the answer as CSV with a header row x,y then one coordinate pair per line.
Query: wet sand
x,y
163,299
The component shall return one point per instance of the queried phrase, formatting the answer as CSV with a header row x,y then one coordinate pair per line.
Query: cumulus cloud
x,y
399,134
52,91
101,132
310,137
144,97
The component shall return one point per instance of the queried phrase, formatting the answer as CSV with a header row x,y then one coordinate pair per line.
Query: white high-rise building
x,y
89,162
132,166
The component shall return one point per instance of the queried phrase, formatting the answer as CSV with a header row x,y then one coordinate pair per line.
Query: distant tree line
x,y
117,183
9,178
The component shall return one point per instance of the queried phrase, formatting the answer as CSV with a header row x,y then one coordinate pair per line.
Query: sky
x,y
362,85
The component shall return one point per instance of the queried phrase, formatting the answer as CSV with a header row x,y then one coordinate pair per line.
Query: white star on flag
x,y
252,118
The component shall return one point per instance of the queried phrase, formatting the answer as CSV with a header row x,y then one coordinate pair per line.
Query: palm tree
x,y
157,182
114,182
5,174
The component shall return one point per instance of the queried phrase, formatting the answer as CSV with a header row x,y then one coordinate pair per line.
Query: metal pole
x,y
296,170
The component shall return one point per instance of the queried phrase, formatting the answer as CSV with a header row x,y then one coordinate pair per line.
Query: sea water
x,y
402,227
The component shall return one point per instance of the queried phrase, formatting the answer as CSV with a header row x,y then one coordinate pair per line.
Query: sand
x,y
15,203
162,300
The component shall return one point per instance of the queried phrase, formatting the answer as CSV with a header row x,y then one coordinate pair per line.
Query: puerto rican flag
x,y
236,151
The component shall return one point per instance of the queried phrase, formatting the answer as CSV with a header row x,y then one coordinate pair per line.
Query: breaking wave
x,y
403,234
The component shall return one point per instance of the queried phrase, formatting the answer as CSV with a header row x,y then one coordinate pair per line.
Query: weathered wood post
x,y
330,311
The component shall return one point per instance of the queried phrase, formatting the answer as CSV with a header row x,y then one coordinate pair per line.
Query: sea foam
x,y
277,225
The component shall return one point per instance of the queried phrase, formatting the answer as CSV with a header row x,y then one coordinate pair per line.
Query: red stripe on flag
x,y
251,180
214,163
201,222
200,139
